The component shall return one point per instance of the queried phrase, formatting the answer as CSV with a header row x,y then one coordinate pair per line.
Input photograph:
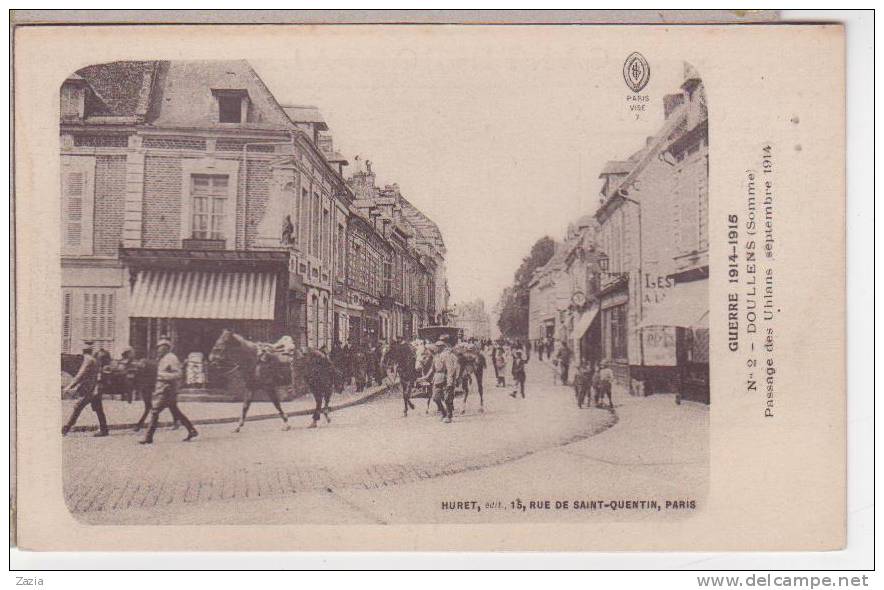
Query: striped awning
x,y
203,295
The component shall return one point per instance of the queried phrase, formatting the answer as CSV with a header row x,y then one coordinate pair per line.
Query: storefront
x,y
675,343
586,335
192,296
614,306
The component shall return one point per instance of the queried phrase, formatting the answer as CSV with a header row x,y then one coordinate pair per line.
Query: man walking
x,y
166,392
518,372
445,375
583,385
564,359
85,383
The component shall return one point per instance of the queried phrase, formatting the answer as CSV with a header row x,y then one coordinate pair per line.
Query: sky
x,y
499,138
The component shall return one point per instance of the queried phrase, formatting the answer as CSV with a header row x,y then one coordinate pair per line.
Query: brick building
x,y
414,268
192,201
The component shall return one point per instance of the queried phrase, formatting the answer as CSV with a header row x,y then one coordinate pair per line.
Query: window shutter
x,y
690,214
77,204
66,313
74,209
702,197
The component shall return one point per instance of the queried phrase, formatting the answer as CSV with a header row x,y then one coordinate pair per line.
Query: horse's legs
x,y
409,389
246,402
274,398
406,395
466,392
326,409
318,398
480,388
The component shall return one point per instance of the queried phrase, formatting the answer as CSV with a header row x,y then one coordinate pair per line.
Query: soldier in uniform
x,y
583,385
166,392
445,375
85,383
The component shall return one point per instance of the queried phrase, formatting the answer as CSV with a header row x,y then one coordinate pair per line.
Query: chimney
x,y
671,102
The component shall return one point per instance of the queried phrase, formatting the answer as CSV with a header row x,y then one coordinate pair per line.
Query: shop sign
x,y
658,345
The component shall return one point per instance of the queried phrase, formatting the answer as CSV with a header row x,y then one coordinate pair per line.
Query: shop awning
x,y
584,321
686,306
204,295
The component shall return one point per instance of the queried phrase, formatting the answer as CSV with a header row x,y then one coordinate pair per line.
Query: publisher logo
x,y
636,71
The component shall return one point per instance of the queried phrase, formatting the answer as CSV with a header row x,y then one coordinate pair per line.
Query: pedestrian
x,y
166,392
583,385
518,371
359,366
85,383
347,364
479,369
564,358
445,376
320,379
128,370
494,366
500,366
603,383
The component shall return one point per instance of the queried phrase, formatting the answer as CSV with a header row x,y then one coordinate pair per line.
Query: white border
x,y
860,210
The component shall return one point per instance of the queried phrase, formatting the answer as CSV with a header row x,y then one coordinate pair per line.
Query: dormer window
x,y
73,99
233,105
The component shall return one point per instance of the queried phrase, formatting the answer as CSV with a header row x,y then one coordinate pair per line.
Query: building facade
x,y
472,318
653,233
192,201
414,266
630,284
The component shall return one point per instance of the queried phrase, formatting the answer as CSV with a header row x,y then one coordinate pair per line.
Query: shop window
x,y
615,332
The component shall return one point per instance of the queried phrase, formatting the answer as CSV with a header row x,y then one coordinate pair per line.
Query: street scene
x,y
372,466
260,329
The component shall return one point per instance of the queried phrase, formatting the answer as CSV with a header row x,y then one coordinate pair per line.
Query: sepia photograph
x,y
416,287
234,278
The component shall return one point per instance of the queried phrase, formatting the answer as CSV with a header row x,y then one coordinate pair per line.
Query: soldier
x,y
445,375
166,392
564,361
602,382
518,371
85,383
583,385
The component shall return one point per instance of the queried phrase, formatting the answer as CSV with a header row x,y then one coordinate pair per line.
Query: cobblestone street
x,y
372,465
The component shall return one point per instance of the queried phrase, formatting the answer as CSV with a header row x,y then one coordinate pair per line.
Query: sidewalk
x,y
123,416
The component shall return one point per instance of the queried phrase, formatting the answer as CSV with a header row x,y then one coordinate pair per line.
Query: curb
x,y
229,420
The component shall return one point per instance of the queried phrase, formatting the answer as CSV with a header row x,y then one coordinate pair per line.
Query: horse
x,y
423,365
320,375
401,361
469,362
260,368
